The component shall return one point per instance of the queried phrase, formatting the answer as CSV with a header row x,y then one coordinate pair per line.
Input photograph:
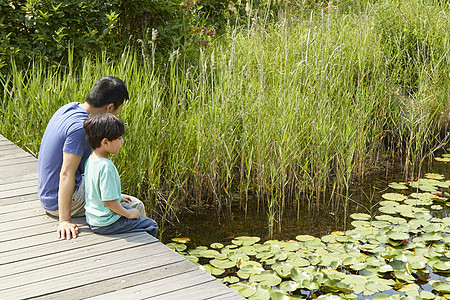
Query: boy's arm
x,y
66,228
119,209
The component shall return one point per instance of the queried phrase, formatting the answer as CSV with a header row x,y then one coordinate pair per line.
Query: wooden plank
x,y
21,215
14,171
74,274
38,239
54,246
18,161
165,289
74,254
19,199
11,154
29,224
19,207
119,283
25,178
31,189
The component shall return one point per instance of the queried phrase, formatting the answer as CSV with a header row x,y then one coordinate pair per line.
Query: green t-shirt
x,y
102,183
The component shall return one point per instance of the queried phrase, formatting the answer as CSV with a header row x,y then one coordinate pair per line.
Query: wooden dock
x,y
34,264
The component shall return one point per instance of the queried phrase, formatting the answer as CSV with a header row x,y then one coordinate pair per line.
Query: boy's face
x,y
114,145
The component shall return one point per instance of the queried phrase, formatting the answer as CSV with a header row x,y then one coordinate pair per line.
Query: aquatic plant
x,y
401,253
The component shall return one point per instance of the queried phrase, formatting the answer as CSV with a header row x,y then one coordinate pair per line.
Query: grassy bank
x,y
280,111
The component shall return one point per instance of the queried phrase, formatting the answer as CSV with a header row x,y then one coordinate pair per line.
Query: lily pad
x,y
434,176
246,240
394,197
360,216
398,185
267,277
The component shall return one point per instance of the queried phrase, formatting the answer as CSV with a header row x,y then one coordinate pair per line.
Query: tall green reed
x,y
272,114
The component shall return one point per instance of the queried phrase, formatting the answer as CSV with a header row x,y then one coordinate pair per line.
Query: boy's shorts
x,y
78,201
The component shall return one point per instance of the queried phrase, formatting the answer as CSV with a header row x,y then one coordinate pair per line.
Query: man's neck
x,y
91,109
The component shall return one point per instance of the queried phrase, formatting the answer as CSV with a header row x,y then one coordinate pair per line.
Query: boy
x,y
104,213
64,150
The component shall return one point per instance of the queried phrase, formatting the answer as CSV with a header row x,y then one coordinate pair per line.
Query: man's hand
x,y
133,214
67,230
125,198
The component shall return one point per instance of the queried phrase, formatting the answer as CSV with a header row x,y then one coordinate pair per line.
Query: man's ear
x,y
110,107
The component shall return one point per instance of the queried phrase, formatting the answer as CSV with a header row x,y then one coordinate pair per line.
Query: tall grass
x,y
273,113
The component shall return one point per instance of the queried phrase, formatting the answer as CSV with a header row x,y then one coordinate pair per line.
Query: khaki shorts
x,y
78,201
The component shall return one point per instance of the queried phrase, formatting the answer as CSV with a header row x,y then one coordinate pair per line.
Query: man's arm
x,y
66,228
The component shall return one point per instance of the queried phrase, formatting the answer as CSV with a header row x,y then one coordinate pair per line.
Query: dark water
x,y
206,225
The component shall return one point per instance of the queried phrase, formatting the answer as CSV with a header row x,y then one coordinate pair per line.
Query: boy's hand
x,y
67,230
133,214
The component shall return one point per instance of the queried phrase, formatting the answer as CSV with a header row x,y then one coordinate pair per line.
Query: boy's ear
x,y
104,141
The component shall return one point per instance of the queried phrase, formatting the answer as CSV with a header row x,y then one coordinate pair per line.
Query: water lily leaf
x,y
388,210
298,261
304,238
262,293
395,235
314,258
394,197
442,159
360,216
442,287
245,240
442,266
300,275
235,256
398,185
264,255
431,237
278,295
244,289
434,176
210,254
283,269
385,269
192,259
177,247
289,286
216,246
402,275
436,207
248,268
222,263
212,270
329,238
248,250
229,279
361,224
426,295
267,277
376,286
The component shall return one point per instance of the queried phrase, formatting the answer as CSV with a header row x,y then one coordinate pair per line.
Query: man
x,y
64,151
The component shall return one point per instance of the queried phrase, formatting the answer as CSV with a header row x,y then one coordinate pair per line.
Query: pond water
x,y
206,225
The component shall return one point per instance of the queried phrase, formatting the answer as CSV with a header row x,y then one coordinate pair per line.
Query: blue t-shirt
x,y
64,132
102,183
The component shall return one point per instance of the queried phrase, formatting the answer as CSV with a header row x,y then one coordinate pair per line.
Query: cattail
x,y
247,8
154,34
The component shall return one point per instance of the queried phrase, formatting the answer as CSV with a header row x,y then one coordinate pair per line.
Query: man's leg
x,y
135,203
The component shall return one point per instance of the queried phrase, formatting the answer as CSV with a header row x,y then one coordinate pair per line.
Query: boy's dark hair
x,y
100,126
107,90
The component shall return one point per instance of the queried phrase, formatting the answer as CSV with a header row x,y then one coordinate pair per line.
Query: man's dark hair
x,y
108,90
100,126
